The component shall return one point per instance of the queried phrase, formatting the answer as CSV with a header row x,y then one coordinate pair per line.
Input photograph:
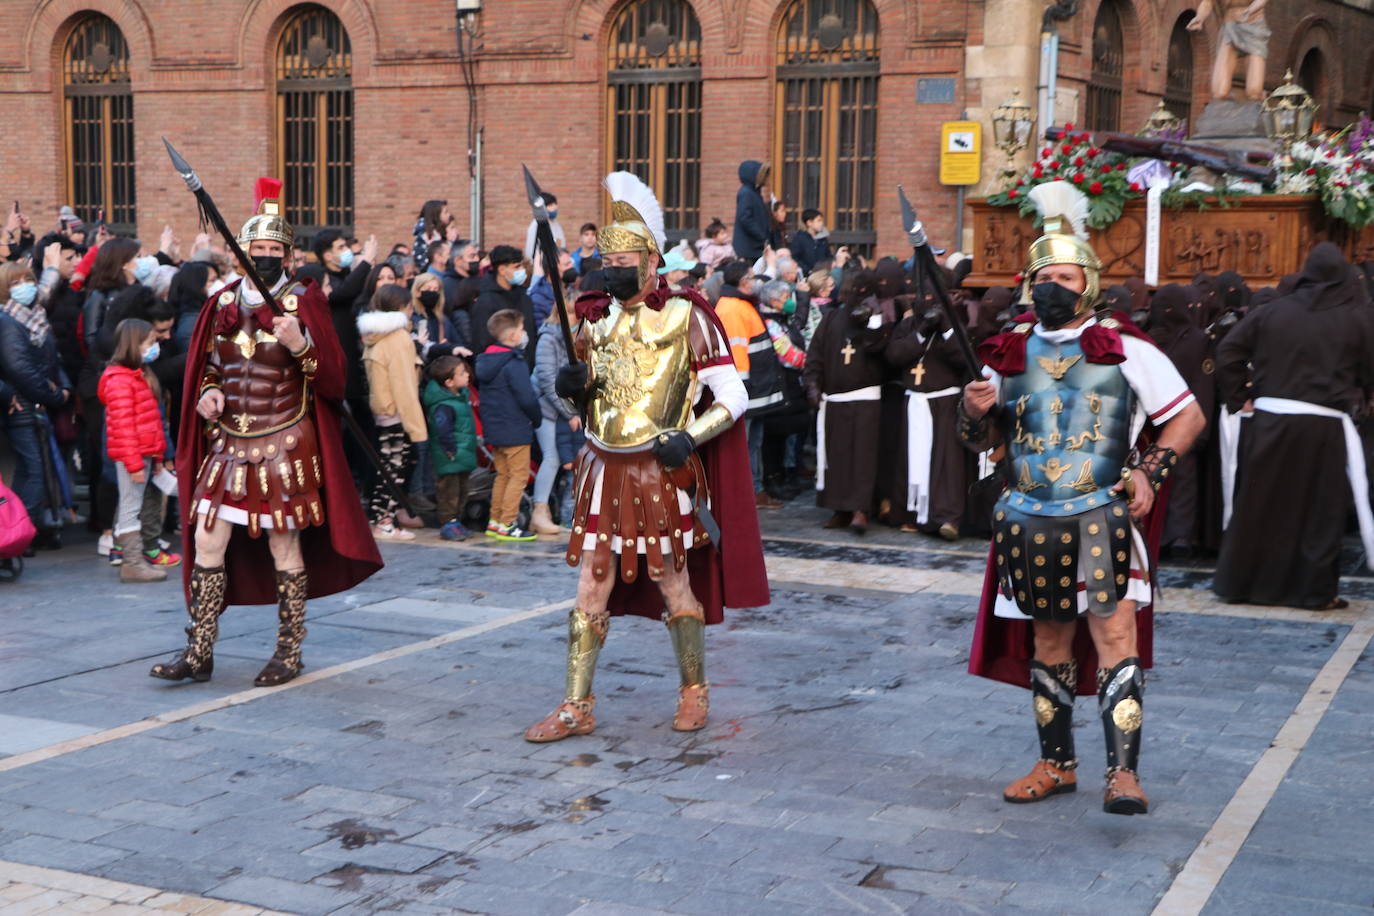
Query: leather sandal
x,y
693,706
1124,795
1044,779
572,717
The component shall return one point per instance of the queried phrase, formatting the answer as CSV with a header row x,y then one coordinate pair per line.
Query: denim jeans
x,y
547,434
28,462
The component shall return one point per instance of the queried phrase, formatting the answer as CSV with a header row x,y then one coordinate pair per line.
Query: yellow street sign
x,y
961,154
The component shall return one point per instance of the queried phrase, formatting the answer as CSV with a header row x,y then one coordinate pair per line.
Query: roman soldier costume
x,y
1072,405
270,462
663,487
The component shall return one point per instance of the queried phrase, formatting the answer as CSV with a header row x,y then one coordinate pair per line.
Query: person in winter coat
x,y
394,395
111,270
452,440
714,248
753,220
135,439
551,354
34,382
430,325
503,288
510,411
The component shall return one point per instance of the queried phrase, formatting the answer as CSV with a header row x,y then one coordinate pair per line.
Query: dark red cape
x,y
733,575
337,556
1003,648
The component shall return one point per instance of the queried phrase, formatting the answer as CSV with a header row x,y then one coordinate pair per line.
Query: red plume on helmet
x,y
266,189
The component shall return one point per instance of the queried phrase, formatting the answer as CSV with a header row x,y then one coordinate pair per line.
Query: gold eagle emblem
x,y
1058,367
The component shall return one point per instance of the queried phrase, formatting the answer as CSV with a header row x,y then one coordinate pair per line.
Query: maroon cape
x,y
338,555
728,574
1003,648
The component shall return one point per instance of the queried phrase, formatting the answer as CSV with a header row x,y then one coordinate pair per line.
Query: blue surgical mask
x,y
518,278
790,306
144,267
24,293
553,214
152,353
346,258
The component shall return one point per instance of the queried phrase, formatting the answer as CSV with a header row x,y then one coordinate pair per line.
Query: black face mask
x,y
569,277
429,298
473,267
1055,305
269,267
622,282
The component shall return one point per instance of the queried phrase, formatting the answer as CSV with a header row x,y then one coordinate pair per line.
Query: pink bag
x,y
16,531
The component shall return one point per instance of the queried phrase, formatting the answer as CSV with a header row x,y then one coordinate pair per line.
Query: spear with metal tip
x,y
211,218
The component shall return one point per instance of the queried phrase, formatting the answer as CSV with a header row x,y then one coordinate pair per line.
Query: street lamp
x,y
1288,112
1161,122
1012,123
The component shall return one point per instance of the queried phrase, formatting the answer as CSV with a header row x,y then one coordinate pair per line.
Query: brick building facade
x,y
380,99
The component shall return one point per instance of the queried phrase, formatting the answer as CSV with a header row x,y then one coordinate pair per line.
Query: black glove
x,y
932,322
673,448
572,381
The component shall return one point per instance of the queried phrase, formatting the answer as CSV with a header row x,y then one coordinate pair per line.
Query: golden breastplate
x,y
641,368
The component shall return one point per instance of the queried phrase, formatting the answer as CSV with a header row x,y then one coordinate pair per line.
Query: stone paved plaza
x,y
851,765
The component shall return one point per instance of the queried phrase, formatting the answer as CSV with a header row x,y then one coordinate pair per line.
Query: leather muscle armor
x,y
642,373
263,455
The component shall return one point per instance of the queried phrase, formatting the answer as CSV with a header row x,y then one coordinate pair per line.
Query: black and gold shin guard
x,y
1119,692
1053,687
687,629
586,636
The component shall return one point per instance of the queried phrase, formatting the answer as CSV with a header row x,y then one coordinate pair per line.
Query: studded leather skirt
x,y
269,481
1046,562
627,503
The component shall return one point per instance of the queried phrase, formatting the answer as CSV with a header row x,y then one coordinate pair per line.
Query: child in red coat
x,y
135,440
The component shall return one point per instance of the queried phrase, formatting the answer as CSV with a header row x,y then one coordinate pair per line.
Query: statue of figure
x,y
1243,31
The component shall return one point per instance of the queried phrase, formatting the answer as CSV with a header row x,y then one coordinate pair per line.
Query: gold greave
x,y
586,636
688,632
715,420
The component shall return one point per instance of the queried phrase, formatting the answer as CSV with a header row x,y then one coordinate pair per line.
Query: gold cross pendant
x,y
848,351
919,372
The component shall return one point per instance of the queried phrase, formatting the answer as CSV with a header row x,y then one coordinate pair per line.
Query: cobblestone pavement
x,y
851,765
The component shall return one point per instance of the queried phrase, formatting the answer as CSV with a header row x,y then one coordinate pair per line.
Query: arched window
x,y
1103,109
1178,85
315,120
99,102
654,87
826,134
1312,76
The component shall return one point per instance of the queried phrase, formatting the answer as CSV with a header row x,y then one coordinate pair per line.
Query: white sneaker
x,y
102,546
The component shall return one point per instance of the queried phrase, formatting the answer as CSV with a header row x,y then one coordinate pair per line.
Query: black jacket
x,y
93,317
508,407
493,299
345,287
33,372
752,222
808,251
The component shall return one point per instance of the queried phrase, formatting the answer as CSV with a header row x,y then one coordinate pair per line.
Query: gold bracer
x,y
641,370
715,420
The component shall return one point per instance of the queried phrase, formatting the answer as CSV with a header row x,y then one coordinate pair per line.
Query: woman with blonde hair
x,y
430,325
